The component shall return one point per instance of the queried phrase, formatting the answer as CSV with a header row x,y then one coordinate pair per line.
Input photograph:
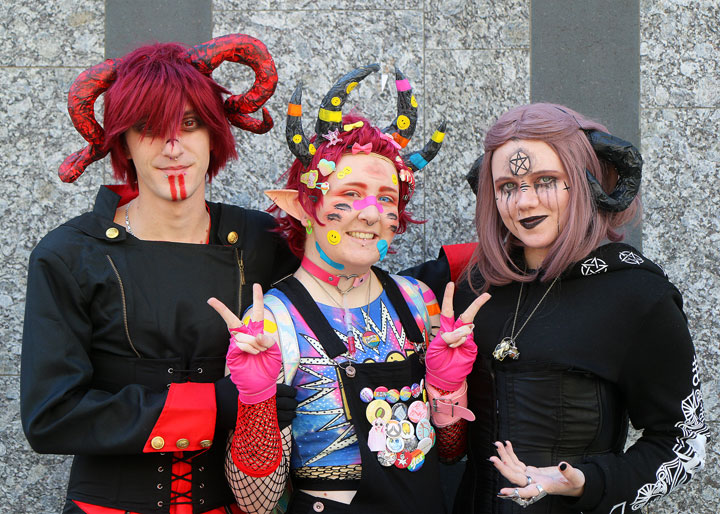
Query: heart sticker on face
x,y
326,167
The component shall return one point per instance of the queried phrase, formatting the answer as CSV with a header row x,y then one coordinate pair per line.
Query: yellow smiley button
x,y
403,122
333,237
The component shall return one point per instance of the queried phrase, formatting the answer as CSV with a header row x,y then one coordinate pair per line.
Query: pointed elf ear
x,y
288,201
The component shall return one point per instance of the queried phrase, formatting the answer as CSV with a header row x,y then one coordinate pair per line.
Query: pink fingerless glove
x,y
446,368
253,375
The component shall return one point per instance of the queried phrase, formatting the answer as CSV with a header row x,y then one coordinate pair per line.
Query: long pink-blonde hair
x,y
585,226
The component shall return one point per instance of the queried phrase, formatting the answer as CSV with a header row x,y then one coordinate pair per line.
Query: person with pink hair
x,y
581,335
123,364
371,355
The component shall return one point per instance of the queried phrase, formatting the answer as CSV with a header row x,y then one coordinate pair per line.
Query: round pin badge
x,y
407,430
415,390
423,429
432,434
403,460
394,444
410,443
399,411
417,459
386,458
380,392
392,396
405,393
393,429
425,445
417,411
366,395
378,409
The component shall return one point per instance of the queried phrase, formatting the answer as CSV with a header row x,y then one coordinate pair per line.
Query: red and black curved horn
x,y
245,50
81,105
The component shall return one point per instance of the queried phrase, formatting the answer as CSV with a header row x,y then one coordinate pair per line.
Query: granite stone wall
x,y
468,62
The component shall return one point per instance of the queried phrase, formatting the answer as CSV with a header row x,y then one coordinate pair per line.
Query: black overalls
x,y
382,489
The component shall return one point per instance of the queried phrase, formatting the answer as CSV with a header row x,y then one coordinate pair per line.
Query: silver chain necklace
x,y
127,219
349,369
507,347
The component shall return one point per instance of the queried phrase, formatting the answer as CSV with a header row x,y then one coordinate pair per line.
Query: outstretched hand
x,y
253,357
252,339
451,353
456,332
562,479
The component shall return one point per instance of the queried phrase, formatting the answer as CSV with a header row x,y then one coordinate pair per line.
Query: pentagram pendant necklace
x,y
507,347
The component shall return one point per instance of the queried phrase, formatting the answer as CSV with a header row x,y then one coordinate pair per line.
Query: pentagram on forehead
x,y
520,163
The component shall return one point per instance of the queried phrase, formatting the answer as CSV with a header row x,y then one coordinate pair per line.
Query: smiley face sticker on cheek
x,y
333,237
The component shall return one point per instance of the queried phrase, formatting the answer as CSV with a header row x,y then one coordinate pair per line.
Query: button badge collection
x,y
401,434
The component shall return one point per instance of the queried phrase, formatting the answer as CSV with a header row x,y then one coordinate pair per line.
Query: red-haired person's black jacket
x,y
123,360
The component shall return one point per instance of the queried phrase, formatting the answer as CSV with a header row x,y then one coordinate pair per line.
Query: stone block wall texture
x,y
468,61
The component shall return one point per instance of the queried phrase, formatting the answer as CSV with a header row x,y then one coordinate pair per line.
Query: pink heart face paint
x,y
367,201
531,194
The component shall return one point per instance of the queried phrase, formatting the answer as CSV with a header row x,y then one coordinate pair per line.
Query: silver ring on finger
x,y
539,496
522,502
530,480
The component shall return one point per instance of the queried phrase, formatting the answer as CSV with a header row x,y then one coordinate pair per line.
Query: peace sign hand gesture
x,y
451,354
254,357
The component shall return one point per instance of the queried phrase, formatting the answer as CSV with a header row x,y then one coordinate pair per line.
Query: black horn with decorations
x,y
329,125
239,48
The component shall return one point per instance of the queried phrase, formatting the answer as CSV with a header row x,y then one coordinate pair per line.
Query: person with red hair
x,y
123,365
581,335
361,347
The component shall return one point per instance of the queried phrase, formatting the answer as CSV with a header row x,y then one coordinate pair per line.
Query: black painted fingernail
x,y
563,466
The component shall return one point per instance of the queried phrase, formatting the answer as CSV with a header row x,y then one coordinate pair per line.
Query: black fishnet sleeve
x,y
259,495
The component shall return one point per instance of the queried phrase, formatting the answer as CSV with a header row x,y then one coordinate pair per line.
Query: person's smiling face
x,y
531,194
171,168
359,213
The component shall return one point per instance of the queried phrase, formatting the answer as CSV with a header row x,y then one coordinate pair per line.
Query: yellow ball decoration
x,y
297,138
403,122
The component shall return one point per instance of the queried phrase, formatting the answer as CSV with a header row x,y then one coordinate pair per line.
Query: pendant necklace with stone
x,y
507,347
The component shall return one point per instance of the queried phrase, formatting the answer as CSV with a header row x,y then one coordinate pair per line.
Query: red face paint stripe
x,y
173,191
181,183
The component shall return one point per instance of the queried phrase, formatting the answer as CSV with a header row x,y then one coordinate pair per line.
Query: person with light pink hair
x,y
581,335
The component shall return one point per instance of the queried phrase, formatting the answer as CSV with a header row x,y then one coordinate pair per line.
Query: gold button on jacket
x,y
157,442
182,443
